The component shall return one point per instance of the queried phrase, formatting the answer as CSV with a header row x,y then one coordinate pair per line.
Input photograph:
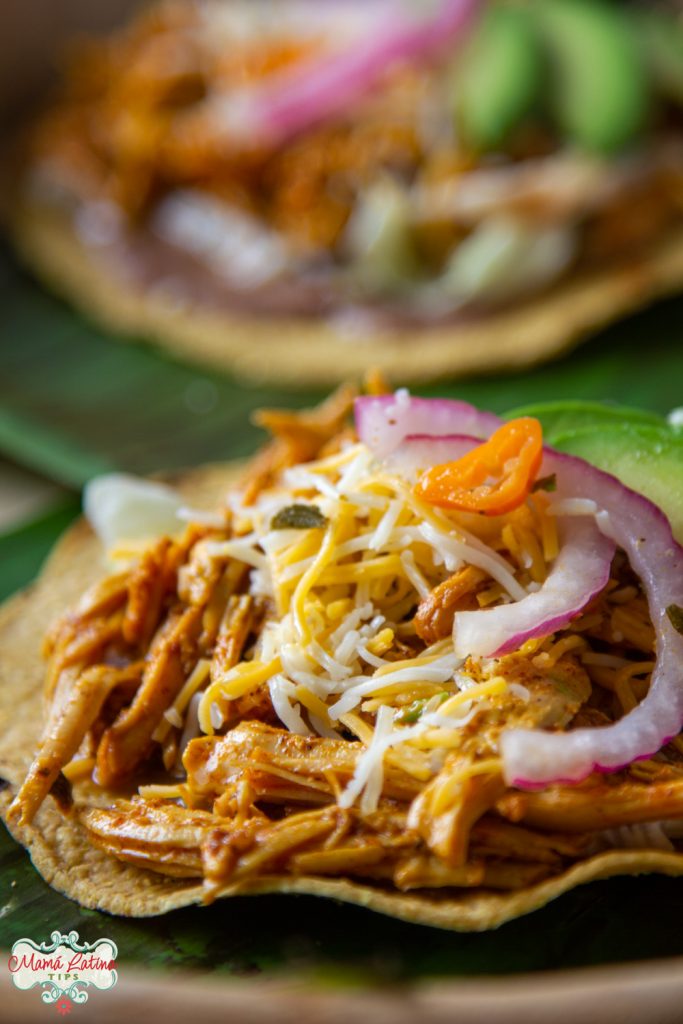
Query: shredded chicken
x,y
435,613
595,804
235,627
297,437
126,742
67,727
280,767
195,843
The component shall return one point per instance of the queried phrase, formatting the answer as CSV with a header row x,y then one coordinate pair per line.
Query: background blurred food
x,y
487,180
32,34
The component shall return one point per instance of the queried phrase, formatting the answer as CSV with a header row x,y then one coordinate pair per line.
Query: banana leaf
x,y
74,403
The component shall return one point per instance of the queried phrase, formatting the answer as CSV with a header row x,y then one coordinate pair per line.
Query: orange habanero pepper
x,y
493,478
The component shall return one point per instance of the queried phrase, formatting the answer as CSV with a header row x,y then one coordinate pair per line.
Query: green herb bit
x,y
675,614
545,483
411,714
298,517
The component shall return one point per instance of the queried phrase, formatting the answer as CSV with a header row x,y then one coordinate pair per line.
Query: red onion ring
x,y
580,571
294,100
384,421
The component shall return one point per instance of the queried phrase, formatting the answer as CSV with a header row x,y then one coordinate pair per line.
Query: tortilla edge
x,y
312,352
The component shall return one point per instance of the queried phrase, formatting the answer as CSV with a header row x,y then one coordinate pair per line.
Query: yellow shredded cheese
x,y
491,688
238,681
194,681
445,794
160,792
314,704
308,580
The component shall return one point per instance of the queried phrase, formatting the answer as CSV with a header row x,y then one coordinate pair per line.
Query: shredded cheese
x,y
334,659
236,683
307,581
445,794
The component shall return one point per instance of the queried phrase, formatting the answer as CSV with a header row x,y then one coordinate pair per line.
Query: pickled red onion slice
x,y
578,574
307,94
384,421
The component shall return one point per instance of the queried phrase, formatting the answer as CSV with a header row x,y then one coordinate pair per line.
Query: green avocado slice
x,y
498,78
565,417
599,88
646,458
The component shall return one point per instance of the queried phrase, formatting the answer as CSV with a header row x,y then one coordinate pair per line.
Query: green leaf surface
x,y
623,919
23,550
563,417
74,403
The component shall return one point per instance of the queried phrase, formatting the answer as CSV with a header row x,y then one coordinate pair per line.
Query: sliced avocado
x,y
661,36
599,87
498,78
646,458
565,417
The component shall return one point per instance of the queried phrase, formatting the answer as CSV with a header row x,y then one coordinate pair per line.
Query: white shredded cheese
x,y
458,552
281,690
370,658
369,766
414,575
518,690
191,729
242,550
385,526
439,671
173,717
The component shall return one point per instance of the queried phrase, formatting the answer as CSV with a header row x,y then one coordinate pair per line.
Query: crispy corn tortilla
x,y
60,849
311,351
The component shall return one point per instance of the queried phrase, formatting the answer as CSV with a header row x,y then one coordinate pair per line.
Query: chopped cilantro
x,y
545,483
412,712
